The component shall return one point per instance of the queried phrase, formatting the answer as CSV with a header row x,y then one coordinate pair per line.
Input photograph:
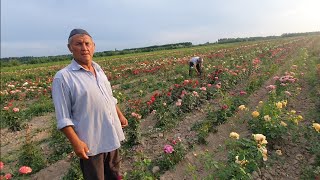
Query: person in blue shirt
x,y
86,111
196,63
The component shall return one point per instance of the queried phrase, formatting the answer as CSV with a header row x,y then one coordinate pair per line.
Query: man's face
x,y
82,47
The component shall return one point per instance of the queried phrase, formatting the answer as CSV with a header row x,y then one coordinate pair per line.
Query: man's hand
x,y
123,121
81,149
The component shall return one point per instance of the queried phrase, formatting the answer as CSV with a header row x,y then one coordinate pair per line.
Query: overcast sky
x,y
41,27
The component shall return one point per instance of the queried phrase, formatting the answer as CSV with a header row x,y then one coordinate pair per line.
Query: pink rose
x,y
8,176
168,149
25,170
1,165
271,87
243,93
6,108
178,103
218,86
224,107
174,142
203,88
15,109
195,93
276,77
287,93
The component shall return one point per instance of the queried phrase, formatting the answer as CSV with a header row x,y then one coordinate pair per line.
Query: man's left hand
x,y
124,121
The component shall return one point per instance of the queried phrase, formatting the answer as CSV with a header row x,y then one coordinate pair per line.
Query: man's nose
x,y
84,47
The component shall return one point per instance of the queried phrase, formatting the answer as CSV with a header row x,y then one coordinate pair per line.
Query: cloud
x,y
41,28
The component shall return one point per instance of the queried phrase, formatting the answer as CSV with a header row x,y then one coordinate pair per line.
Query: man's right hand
x,y
81,149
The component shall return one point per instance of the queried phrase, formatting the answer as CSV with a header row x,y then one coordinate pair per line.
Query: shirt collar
x,y
75,66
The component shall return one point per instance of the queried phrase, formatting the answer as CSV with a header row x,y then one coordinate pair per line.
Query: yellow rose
x,y
316,126
237,160
234,135
260,139
284,103
267,118
242,162
279,105
264,142
278,152
263,150
265,157
242,107
283,124
255,114
293,111
300,118
264,153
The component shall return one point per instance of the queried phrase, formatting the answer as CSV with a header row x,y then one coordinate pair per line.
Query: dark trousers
x,y
191,68
102,166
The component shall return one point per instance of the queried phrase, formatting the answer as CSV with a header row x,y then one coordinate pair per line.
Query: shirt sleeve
x,y
115,100
62,103
109,89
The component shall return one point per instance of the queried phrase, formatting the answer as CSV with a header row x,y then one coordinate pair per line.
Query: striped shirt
x,y
86,102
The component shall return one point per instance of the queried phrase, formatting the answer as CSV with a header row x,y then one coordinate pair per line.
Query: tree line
x,y
232,40
15,61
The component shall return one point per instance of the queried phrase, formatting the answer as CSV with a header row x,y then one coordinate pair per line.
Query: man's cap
x,y
78,31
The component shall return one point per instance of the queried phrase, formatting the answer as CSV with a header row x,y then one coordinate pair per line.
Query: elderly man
x,y
86,111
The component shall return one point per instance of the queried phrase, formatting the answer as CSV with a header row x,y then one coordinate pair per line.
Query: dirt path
x,y
39,128
55,171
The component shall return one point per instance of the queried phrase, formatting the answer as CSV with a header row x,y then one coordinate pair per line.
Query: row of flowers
x,y
273,119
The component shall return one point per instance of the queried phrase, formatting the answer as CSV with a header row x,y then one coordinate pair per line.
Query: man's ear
x,y
94,46
69,47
